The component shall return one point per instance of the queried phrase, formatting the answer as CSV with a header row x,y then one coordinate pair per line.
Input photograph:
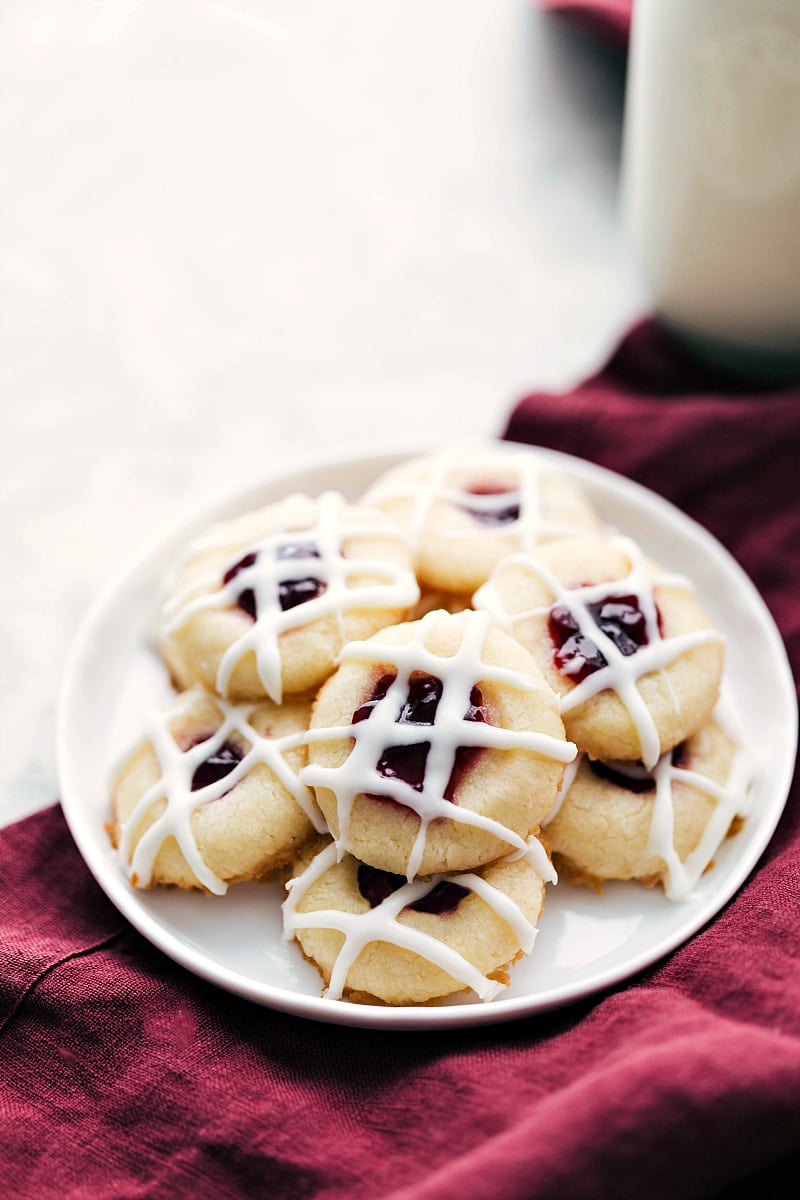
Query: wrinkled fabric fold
x,y
121,1075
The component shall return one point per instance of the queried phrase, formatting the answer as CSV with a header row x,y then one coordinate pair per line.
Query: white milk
x,y
711,175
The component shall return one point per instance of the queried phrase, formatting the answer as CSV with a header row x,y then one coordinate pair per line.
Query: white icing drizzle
x,y
393,586
567,780
529,528
536,856
621,672
459,673
174,786
380,924
731,800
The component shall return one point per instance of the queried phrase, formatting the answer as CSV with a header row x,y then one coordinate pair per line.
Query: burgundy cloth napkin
x,y
121,1075
610,18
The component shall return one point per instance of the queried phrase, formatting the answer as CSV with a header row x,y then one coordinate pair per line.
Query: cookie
x,y
622,821
261,605
432,598
376,937
211,795
467,508
436,746
627,646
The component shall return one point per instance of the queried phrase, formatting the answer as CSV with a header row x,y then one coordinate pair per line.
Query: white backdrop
x,y
232,230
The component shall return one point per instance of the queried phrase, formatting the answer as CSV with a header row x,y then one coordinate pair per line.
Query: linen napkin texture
x,y
122,1075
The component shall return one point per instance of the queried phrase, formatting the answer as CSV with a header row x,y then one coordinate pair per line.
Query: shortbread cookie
x,y
621,821
466,508
375,937
262,604
626,645
436,746
433,598
211,795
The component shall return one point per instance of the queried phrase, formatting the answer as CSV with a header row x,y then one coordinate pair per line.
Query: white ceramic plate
x,y
586,942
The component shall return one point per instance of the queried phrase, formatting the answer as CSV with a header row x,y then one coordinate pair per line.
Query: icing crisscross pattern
x,y
347,583
621,672
174,786
459,674
530,526
731,800
380,924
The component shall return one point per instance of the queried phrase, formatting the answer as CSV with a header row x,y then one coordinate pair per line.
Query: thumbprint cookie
x,y
212,794
262,604
621,820
625,645
467,508
436,746
375,936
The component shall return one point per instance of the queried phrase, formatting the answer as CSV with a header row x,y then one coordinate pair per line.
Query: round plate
x,y
586,942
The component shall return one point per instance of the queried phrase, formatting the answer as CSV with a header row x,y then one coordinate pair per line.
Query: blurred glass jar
x,y
711,175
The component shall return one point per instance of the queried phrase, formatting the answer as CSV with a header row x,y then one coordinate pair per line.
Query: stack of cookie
x,y
391,700
435,752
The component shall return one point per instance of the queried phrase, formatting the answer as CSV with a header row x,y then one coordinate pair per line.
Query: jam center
x,y
291,592
680,756
407,763
635,778
638,781
619,617
378,693
502,508
246,599
216,766
376,885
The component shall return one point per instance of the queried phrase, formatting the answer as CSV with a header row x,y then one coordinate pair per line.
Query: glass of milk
x,y
711,175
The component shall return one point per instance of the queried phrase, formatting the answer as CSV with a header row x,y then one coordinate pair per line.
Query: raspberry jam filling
x,y
503,512
216,766
681,756
466,755
638,783
444,897
376,885
619,617
637,780
246,599
291,592
407,763
378,692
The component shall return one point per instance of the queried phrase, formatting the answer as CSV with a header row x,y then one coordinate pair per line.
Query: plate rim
x,y
319,1008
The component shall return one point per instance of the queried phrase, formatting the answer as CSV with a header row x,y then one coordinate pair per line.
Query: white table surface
x,y
235,230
